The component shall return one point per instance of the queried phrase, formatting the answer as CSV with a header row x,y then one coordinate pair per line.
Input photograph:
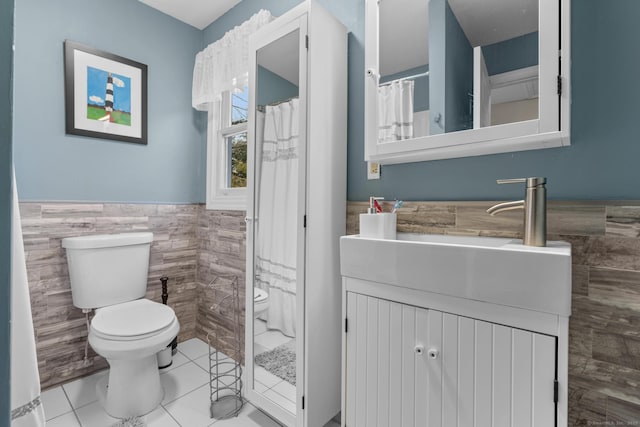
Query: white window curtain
x,y
395,111
224,65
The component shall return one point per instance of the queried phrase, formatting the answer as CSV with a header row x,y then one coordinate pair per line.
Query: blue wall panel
x,y
458,76
601,163
53,166
6,65
508,55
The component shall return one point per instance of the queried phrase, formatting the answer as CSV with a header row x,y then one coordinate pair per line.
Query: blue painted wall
x,y
53,166
601,163
458,75
272,88
243,11
6,66
604,110
512,54
437,66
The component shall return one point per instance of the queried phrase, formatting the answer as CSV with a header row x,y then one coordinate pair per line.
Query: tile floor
x,y
273,387
186,401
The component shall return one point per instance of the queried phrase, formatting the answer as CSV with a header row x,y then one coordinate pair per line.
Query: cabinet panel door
x,y
495,375
408,366
388,375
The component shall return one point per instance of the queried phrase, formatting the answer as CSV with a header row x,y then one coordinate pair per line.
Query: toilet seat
x,y
132,320
259,295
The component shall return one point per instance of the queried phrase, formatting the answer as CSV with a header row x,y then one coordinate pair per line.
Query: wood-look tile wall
x,y
60,328
194,246
604,329
221,265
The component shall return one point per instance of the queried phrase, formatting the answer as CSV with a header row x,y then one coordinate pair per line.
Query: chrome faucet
x,y
535,209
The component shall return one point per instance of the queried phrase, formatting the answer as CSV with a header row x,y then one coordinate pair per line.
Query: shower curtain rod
x,y
262,107
415,76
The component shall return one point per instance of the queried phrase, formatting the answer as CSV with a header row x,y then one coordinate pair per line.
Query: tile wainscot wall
x,y
195,248
60,328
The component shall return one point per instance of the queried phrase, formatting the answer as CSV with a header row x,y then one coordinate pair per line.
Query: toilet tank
x,y
107,269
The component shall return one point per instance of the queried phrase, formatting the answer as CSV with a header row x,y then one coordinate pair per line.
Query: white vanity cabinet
x,y
413,366
454,331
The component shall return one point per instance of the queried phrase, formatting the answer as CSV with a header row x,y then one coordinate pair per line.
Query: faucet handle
x,y
531,182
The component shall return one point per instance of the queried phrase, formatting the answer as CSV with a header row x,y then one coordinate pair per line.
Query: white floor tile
x,y
225,363
280,400
265,377
250,416
271,339
160,418
192,409
178,360
285,389
257,349
259,326
93,415
193,348
182,380
55,403
259,387
83,391
203,362
66,420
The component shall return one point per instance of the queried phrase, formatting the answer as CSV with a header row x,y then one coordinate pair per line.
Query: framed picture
x,y
105,94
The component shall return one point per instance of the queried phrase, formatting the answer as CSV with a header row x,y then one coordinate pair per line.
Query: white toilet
x,y
260,301
109,273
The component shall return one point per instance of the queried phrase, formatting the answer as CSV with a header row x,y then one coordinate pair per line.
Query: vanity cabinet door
x,y
410,366
388,374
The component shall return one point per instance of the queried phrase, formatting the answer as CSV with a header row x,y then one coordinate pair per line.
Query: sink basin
x,y
494,270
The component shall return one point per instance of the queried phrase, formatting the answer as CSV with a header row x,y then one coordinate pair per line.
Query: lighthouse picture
x,y
108,97
105,95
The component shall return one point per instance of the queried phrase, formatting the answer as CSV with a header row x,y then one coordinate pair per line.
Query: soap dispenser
x,y
376,224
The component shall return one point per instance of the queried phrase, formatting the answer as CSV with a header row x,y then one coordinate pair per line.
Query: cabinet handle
x,y
433,353
419,350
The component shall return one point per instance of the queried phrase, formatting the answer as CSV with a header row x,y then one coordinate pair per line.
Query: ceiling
x,y
197,13
282,57
490,21
404,40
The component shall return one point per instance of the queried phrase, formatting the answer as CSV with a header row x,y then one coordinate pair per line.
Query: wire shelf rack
x,y
225,371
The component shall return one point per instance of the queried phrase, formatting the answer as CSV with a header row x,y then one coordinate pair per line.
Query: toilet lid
x,y
133,318
259,295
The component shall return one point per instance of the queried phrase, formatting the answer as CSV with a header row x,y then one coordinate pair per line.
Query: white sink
x,y
495,270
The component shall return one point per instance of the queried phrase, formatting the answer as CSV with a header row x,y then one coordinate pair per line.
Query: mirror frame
x,y
551,129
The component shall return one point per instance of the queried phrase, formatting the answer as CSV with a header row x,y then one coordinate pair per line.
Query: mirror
x,y
474,64
275,240
443,73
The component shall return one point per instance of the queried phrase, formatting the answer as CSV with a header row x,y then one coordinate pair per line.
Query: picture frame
x,y
105,94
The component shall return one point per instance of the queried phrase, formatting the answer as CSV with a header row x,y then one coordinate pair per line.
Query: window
x,y
227,148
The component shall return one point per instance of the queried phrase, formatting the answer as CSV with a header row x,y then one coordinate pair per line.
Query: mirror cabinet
x,y
457,78
295,215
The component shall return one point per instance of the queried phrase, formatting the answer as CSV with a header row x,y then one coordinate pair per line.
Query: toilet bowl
x,y
260,302
129,335
109,273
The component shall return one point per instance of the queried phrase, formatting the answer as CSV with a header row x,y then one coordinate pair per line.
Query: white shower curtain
x,y
395,111
26,407
276,241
